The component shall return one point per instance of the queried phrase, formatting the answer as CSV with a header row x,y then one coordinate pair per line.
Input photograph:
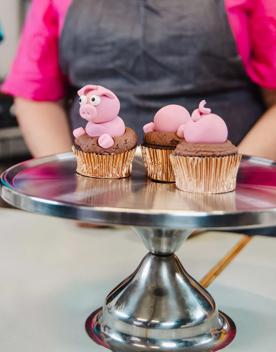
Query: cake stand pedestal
x,y
159,307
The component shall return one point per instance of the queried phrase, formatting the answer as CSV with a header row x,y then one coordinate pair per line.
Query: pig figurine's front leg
x,y
149,127
105,141
78,132
180,131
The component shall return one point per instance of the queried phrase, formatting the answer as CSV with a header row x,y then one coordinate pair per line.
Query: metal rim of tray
x,y
126,216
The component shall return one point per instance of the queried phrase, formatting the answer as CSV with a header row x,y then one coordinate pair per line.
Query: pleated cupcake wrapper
x,y
157,163
104,166
206,174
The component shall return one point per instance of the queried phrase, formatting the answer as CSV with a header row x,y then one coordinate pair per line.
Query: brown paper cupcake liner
x,y
104,166
206,174
157,163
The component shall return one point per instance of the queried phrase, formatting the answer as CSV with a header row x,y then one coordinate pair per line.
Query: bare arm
x,y
261,139
44,126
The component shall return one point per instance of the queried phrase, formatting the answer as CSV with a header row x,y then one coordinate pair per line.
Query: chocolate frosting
x,y
193,149
121,144
161,139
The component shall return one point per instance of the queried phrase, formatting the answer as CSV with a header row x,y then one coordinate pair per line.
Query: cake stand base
x,y
160,307
221,340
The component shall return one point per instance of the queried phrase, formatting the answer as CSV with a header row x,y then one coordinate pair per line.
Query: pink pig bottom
x,y
210,129
204,127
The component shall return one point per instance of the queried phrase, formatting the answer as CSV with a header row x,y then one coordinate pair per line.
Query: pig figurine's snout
x,y
88,112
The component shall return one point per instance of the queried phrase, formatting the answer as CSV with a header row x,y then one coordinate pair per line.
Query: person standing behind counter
x,y
151,53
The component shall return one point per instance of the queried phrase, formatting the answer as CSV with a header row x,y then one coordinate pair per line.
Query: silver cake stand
x,y
159,307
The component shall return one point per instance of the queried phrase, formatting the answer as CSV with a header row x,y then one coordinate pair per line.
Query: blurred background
x,y
12,146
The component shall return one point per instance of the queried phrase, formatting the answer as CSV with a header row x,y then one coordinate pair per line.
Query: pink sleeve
x,y
262,30
35,73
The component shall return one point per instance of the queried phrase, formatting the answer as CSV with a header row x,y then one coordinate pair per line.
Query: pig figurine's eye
x,y
82,99
95,100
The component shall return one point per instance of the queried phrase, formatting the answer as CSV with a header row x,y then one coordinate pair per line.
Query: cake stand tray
x,y
159,307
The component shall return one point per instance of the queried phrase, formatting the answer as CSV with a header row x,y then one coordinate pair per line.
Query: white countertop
x,y
247,291
54,274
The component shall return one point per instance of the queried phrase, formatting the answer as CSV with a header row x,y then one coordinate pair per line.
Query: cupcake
x,y
105,148
205,161
160,140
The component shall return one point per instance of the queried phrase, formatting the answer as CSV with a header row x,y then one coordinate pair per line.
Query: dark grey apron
x,y
157,52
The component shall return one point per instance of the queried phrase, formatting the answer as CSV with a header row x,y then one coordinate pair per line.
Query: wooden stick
x,y
224,262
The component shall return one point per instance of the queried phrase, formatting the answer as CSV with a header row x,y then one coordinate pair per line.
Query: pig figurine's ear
x,y
86,89
109,94
104,92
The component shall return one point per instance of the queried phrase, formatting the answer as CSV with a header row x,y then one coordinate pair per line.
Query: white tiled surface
x,y
54,274
246,290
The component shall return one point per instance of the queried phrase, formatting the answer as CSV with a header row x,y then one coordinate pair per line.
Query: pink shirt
x,y
36,74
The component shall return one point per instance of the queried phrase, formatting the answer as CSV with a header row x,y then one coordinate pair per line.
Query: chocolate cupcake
x,y
160,140
105,148
206,162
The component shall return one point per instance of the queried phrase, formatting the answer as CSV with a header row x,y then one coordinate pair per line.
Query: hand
x,y
149,127
78,132
44,126
105,141
260,140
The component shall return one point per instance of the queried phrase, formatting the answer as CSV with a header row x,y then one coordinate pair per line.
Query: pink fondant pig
x,y
100,107
168,119
204,127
